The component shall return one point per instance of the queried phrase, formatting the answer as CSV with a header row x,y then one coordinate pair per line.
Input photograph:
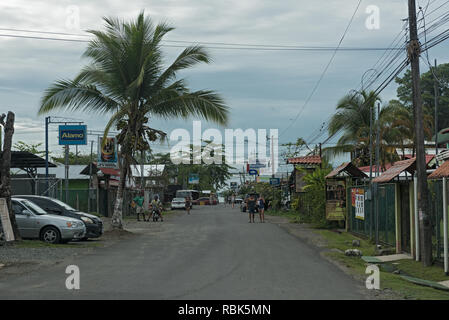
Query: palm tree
x,y
126,78
353,120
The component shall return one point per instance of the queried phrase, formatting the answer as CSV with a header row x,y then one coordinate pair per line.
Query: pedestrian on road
x,y
188,204
251,208
233,200
138,204
261,203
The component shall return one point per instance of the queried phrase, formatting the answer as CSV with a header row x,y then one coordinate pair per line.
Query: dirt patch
x,y
117,234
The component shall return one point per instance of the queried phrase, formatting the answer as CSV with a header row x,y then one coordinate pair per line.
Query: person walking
x,y
138,204
188,204
261,203
233,200
251,208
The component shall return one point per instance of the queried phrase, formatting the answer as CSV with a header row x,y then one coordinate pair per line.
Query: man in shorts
x,y
138,201
251,208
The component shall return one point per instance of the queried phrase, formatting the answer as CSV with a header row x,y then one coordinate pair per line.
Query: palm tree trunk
x,y
117,216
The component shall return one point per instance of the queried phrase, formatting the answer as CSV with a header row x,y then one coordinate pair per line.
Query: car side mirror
x,y
26,212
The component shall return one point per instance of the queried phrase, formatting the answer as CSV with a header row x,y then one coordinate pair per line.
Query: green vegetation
x,y
388,280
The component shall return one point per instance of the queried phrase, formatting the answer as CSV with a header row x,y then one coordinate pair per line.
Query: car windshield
x,y
64,205
33,207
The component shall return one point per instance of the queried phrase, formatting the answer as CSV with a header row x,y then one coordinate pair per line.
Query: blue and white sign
x,y
253,172
72,135
275,181
194,178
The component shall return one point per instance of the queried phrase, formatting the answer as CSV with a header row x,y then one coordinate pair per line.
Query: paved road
x,y
214,253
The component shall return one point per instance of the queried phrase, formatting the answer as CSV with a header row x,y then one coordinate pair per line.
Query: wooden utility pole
x,y
5,168
414,51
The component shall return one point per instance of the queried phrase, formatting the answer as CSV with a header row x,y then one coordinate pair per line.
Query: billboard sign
x,y
107,153
72,135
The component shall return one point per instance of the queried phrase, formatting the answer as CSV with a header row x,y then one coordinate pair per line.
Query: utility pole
x,y
66,174
90,177
371,171
435,88
414,50
376,186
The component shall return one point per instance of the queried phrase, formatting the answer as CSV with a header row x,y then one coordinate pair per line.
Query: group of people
x,y
155,207
253,205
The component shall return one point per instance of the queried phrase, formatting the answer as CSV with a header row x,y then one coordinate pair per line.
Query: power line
x,y
223,47
324,71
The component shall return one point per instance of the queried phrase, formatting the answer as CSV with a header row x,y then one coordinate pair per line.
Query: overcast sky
x,y
264,89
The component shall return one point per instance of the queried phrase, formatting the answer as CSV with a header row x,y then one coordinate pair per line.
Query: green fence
x,y
369,224
436,212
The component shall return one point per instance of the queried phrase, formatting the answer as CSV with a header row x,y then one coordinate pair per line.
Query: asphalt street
x,y
213,253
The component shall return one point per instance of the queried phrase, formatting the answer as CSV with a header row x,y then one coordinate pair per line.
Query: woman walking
x,y
188,204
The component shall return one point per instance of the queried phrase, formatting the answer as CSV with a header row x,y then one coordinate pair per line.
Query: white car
x,y
34,223
178,203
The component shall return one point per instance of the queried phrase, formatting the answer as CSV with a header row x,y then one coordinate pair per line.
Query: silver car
x,y
34,223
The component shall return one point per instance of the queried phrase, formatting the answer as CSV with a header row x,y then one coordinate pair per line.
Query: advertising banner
x,y
107,153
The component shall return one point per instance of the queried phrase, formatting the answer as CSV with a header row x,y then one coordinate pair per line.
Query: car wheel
x,y
84,239
50,235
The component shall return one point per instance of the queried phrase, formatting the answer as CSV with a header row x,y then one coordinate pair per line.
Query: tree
x,y
404,93
76,159
127,79
352,118
5,168
33,148
294,149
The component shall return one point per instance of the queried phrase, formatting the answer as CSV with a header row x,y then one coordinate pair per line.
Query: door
x,y
405,217
25,222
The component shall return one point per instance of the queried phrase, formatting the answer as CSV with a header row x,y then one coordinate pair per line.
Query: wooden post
x,y
5,168
414,50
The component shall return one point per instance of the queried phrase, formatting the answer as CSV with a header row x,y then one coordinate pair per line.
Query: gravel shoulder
x,y
32,255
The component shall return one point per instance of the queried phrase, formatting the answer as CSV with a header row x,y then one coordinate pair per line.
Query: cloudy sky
x,y
264,88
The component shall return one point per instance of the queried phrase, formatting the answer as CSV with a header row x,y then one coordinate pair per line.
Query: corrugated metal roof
x,y
396,170
441,172
314,160
347,167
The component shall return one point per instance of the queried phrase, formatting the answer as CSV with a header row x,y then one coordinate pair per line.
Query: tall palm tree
x,y
127,79
352,120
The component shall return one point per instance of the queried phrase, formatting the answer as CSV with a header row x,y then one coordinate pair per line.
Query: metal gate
x,y
363,219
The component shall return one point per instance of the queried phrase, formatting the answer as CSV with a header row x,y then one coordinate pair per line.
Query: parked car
x,y
207,201
178,203
243,204
94,225
34,223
